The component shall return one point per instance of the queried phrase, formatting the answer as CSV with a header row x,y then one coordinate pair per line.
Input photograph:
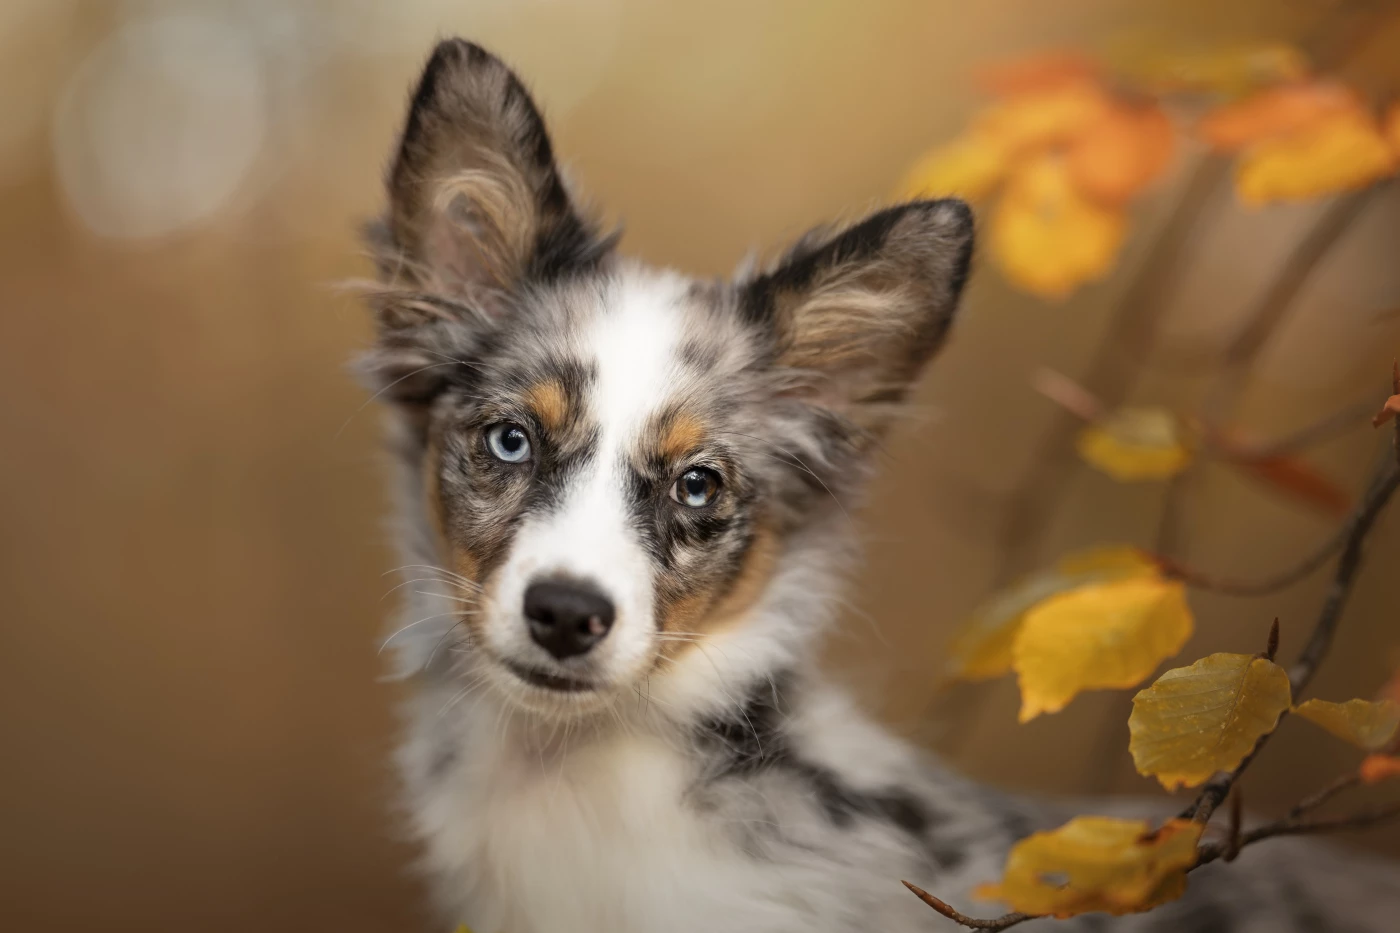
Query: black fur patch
x,y
753,740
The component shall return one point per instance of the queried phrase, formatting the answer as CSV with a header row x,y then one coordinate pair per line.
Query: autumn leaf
x,y
1341,152
1099,636
1197,720
1277,111
1363,723
1097,863
968,167
1038,72
1133,444
1377,768
1117,157
983,648
1047,237
1037,119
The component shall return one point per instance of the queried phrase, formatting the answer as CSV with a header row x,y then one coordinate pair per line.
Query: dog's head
x,y
618,467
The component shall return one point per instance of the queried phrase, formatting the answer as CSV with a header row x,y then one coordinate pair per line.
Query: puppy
x,y
622,500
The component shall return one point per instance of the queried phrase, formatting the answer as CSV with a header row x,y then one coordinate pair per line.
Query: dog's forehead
x,y
628,347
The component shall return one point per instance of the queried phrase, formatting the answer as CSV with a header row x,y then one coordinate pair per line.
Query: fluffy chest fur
x,y
630,830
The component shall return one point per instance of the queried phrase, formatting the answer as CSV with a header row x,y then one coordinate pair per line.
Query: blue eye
x,y
696,488
508,442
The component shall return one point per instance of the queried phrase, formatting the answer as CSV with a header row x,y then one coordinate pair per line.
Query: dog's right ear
x,y
477,209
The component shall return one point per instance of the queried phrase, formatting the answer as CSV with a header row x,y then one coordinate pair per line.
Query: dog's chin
x,y
549,693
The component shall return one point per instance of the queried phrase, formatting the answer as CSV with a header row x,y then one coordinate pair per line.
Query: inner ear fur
x,y
477,203
856,314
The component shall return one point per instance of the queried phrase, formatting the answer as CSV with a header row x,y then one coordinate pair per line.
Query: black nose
x,y
567,618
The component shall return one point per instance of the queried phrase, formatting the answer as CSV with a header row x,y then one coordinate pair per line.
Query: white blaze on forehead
x,y
634,341
631,342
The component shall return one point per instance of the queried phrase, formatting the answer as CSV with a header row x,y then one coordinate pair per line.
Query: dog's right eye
x,y
508,442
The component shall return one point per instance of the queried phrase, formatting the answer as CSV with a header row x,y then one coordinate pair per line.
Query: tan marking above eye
x,y
680,435
549,403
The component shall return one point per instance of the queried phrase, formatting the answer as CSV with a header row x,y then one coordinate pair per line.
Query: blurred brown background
x,y
193,735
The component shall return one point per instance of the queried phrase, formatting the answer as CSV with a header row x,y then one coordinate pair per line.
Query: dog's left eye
x,y
696,488
508,442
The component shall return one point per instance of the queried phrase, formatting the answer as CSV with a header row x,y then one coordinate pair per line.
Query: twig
x,y
1325,428
999,923
1202,580
1290,827
1301,673
1112,371
1233,844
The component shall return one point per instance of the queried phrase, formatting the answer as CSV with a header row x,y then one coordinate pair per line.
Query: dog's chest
x,y
598,839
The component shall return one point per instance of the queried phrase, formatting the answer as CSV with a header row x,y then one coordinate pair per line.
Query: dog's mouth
x,y
548,681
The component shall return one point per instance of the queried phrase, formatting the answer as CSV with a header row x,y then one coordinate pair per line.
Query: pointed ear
x,y
476,203
856,314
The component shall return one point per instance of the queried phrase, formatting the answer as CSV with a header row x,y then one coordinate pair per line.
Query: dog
x,y
623,501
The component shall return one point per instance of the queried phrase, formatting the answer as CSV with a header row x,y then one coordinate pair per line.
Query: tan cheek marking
x,y
549,403
701,615
682,435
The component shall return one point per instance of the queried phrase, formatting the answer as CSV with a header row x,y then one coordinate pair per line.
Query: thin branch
x,y
1290,827
1325,428
1233,842
1113,369
999,923
1274,305
1301,673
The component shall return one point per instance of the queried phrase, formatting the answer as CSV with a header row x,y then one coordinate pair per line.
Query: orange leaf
x,y
1340,152
1046,117
1377,768
1122,154
1048,238
1299,479
1275,112
1036,72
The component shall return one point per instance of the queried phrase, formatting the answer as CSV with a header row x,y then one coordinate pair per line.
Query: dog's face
x,y
616,462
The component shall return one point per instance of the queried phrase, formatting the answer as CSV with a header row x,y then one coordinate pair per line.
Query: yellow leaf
x,y
1121,154
969,167
1136,444
1341,152
1197,720
1047,237
1097,863
982,648
1045,117
1366,724
1099,636
1277,111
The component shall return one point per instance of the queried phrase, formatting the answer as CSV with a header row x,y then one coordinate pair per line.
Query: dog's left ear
x,y
856,315
476,202
477,212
